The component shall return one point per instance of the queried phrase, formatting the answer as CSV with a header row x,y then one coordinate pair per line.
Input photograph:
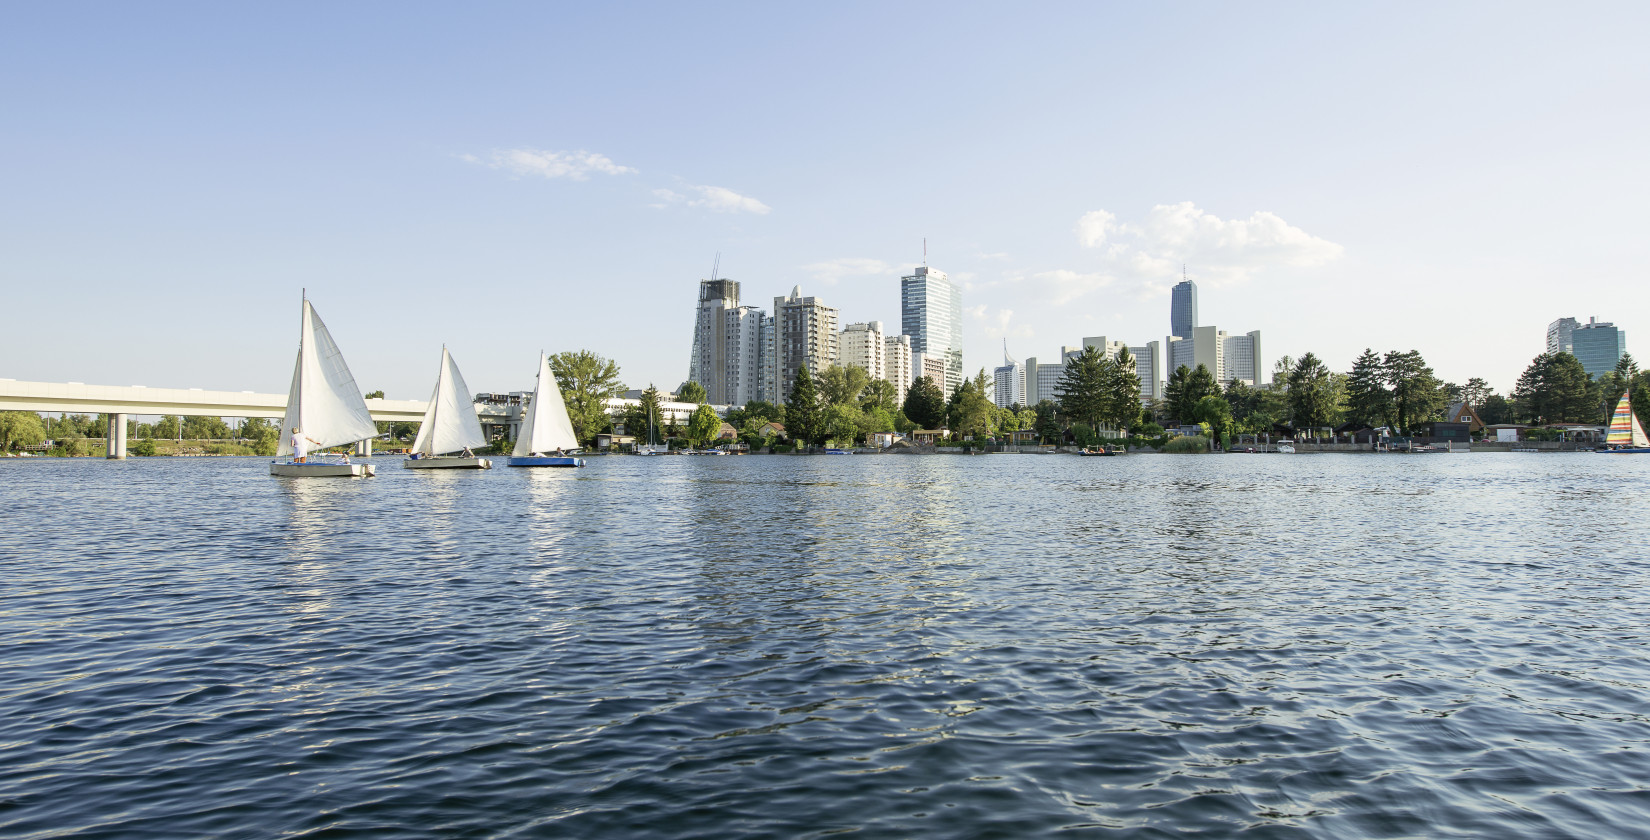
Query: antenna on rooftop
x,y
716,266
925,250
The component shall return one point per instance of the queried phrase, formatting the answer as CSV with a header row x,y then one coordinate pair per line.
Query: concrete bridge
x,y
118,401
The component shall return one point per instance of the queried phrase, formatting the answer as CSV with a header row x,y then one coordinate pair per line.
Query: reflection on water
x,y
1310,646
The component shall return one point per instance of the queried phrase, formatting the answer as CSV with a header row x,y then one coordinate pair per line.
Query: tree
x,y
839,385
1174,396
1495,410
803,420
703,425
1200,383
765,411
1082,387
1476,391
373,395
206,428
1368,402
1311,395
924,404
20,428
1217,413
875,419
1047,424
166,427
1555,389
1122,391
1245,404
587,381
691,392
841,423
971,410
1416,393
262,435
882,394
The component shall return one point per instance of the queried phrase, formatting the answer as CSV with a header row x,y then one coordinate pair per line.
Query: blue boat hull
x,y
1628,451
544,461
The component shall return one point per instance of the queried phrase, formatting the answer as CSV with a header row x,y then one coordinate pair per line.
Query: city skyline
x,y
175,177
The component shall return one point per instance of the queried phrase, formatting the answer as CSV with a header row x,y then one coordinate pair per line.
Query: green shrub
x,y
143,448
1188,445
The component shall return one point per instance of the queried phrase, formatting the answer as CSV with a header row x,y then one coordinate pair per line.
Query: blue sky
x,y
1403,176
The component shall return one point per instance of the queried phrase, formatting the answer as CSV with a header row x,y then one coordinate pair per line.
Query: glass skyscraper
x,y
931,313
1598,345
1183,309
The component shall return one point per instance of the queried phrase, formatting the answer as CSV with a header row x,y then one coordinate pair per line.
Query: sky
x,y
504,178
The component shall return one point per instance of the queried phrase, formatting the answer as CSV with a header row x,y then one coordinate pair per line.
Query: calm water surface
x,y
1324,646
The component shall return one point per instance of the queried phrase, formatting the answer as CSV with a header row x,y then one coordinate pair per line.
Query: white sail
x,y
546,426
324,404
450,423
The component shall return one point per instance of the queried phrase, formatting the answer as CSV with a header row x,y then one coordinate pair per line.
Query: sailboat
x,y
651,447
324,406
1626,435
546,428
450,425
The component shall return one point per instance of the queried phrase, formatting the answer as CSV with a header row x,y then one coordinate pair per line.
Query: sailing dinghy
x,y
324,406
450,425
1626,435
546,431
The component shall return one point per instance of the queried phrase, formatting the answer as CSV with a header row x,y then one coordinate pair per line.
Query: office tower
x,y
1599,345
1148,363
710,337
863,345
896,357
1559,335
804,334
1010,382
1240,358
768,389
1183,309
1043,380
931,313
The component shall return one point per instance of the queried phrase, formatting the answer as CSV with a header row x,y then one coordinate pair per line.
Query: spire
x,y
1008,361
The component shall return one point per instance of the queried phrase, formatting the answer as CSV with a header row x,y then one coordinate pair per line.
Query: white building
x,y
1042,380
897,359
1227,357
709,362
864,345
1010,381
742,356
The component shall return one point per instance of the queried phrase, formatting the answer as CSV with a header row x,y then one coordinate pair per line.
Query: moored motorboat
x,y
1286,446
324,408
450,425
546,431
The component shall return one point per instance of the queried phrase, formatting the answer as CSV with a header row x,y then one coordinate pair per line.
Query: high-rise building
x,y
768,389
804,334
1010,382
1183,309
1043,380
896,357
1148,363
1599,345
709,361
1558,335
1240,358
931,313
863,345
743,358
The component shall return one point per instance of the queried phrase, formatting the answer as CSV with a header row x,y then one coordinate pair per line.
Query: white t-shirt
x,y
298,445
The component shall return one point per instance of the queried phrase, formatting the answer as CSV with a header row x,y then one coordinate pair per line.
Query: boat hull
x,y
440,463
290,469
1637,450
544,461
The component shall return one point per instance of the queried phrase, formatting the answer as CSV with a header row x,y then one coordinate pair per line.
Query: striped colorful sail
x,y
1624,427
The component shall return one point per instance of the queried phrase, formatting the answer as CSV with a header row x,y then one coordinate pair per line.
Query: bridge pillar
x,y
115,437
364,448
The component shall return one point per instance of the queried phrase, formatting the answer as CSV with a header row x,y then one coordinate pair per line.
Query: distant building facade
x,y
1183,309
709,361
1599,345
1043,380
864,345
805,333
931,313
1227,357
1558,335
896,358
1010,382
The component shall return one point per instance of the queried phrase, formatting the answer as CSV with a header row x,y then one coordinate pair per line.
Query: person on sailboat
x,y
300,446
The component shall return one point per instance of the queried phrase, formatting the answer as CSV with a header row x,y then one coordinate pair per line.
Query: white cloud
x,y
1218,251
1060,286
997,323
576,166
716,199
832,271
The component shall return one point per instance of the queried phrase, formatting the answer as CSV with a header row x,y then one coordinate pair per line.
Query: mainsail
x,y
324,403
547,426
450,423
1624,426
